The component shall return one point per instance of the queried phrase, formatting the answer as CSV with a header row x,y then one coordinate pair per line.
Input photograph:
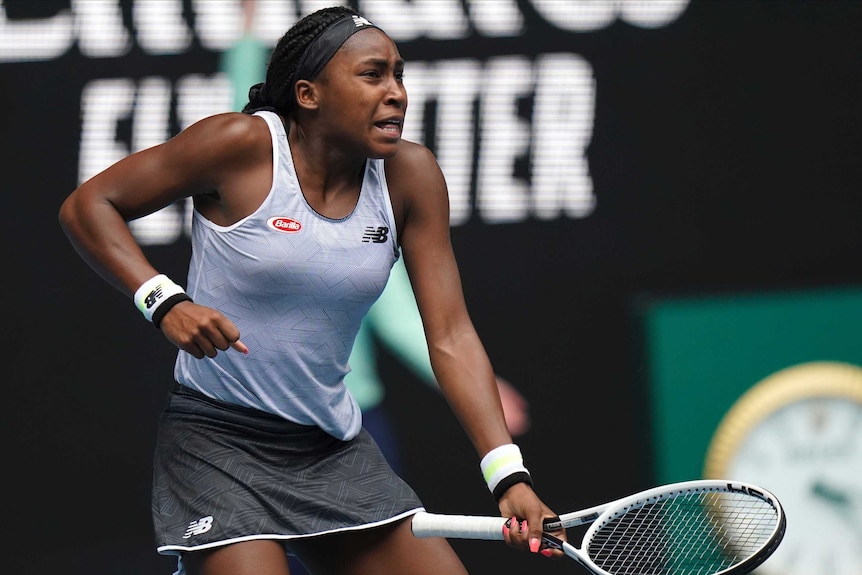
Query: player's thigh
x,y
389,549
261,557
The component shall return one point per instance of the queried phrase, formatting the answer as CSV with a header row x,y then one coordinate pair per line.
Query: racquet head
x,y
709,527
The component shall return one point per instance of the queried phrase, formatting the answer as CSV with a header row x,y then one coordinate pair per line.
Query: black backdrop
x,y
724,156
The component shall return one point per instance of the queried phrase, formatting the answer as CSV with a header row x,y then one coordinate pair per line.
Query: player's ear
x,y
306,95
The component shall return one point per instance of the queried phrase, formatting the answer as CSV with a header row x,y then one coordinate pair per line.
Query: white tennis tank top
x,y
297,285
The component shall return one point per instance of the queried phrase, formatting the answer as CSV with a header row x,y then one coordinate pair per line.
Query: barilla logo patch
x,y
282,224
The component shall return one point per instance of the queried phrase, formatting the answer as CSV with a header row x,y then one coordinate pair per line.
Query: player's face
x,y
362,97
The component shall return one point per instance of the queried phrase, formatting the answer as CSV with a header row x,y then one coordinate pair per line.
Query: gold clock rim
x,y
802,381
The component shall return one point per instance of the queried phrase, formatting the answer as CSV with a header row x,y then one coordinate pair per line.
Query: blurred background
x,y
655,206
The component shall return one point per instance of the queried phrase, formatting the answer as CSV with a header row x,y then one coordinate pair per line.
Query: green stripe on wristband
x,y
502,467
501,463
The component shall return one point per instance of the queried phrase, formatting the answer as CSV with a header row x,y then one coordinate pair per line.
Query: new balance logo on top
x,y
377,235
202,525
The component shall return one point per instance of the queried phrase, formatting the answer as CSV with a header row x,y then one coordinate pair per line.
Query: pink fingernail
x,y
534,545
546,552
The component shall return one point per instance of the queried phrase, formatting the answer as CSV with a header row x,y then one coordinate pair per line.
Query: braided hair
x,y
277,93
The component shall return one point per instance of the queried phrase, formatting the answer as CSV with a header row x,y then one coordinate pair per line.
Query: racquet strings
x,y
685,533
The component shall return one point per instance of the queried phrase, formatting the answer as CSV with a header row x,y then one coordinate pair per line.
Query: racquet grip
x,y
457,526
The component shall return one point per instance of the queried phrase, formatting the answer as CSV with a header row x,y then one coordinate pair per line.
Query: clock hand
x,y
830,494
840,501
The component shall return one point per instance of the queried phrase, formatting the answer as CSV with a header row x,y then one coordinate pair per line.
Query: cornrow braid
x,y
277,92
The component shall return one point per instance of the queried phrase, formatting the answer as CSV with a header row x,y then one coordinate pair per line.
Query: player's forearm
x,y
467,380
103,240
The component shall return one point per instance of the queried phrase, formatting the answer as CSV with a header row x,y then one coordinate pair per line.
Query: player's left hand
x,y
526,513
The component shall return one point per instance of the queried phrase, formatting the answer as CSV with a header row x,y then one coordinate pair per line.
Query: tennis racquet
x,y
704,527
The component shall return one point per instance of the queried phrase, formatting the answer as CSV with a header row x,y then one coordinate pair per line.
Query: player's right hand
x,y
200,330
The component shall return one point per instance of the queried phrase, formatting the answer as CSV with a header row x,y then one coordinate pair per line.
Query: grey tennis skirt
x,y
225,473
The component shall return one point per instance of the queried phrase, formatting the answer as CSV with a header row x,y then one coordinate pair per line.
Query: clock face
x,y
799,435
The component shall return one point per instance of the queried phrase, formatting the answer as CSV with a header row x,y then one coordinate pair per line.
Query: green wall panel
x,y
704,352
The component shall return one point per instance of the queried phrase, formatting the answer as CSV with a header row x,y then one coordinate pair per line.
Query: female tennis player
x,y
302,205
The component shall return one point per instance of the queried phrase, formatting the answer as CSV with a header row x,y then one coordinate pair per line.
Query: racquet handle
x,y
458,526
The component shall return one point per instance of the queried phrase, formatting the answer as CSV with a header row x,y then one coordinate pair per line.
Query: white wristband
x,y
157,291
502,467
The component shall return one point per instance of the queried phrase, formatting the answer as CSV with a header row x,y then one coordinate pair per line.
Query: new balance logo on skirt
x,y
202,525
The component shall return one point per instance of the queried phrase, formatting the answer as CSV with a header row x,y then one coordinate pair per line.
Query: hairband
x,y
323,48
319,52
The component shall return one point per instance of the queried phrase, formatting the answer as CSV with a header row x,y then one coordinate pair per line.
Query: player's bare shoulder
x,y
416,185
413,154
414,166
229,133
232,158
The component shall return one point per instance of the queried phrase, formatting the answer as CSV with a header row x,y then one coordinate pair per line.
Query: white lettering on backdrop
x,y
480,136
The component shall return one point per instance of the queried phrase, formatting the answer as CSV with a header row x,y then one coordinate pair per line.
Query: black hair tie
x,y
258,100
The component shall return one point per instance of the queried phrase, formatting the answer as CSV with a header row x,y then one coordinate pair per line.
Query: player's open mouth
x,y
391,126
